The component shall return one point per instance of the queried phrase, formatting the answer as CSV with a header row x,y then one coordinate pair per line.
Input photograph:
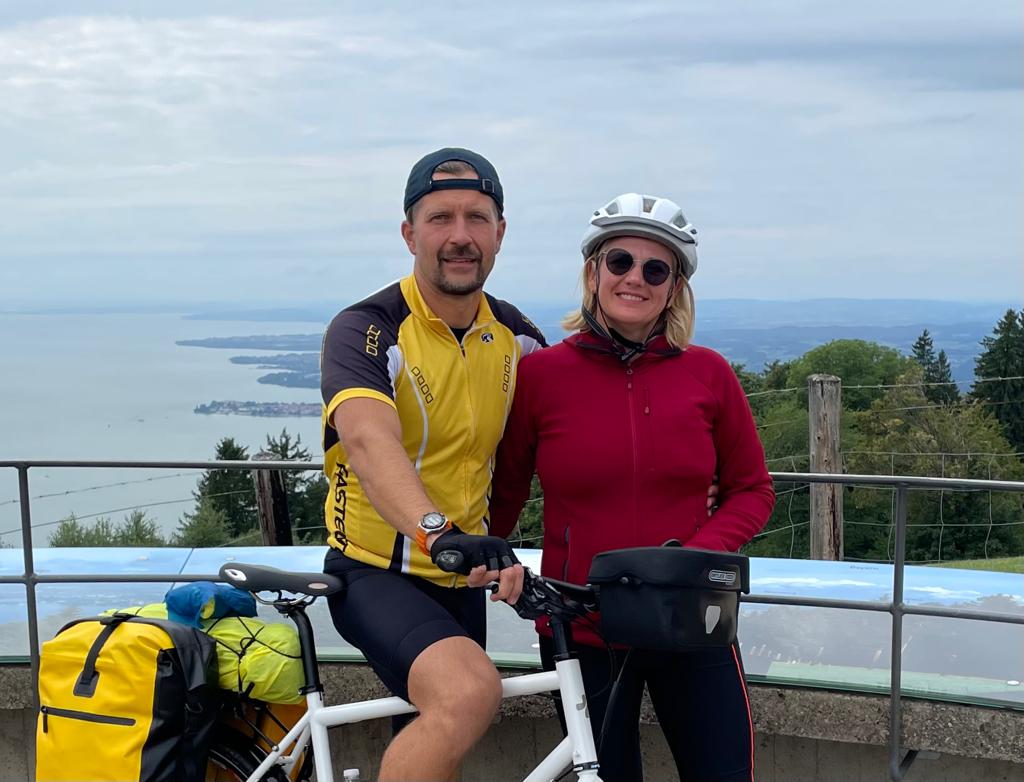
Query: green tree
x,y
939,387
206,528
902,433
135,530
306,491
856,363
71,533
1003,357
945,391
923,351
138,530
230,491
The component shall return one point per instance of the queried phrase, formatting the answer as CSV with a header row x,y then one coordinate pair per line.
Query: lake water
x,y
115,386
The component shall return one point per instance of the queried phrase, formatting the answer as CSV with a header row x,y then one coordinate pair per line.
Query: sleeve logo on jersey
x,y
506,377
372,340
417,373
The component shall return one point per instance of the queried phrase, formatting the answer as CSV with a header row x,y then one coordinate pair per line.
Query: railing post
x,y
30,581
272,504
896,658
824,408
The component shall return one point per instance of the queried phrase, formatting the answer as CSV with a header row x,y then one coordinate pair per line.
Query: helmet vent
x,y
648,204
679,219
612,208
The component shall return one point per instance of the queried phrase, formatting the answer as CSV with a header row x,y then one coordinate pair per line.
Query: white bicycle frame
x,y
576,749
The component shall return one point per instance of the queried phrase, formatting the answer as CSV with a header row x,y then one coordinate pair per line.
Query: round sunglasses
x,y
619,262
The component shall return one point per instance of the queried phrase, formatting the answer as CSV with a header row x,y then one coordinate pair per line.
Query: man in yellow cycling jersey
x,y
417,381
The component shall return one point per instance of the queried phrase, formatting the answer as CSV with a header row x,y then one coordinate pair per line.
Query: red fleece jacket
x,y
626,453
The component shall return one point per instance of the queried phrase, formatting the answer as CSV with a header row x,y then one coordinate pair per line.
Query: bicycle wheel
x,y
233,758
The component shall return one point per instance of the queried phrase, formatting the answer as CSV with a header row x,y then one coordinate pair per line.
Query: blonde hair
x,y
678,319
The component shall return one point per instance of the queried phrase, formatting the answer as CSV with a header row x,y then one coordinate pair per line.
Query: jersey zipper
x,y
565,563
84,716
636,453
472,418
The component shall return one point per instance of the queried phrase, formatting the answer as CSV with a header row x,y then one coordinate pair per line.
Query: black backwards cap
x,y
421,181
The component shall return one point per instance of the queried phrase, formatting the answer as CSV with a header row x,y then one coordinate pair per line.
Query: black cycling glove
x,y
457,552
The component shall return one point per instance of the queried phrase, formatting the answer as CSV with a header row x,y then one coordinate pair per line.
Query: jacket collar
x,y
657,346
420,309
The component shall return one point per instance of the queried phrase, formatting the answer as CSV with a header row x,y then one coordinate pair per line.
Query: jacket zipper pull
x,y
647,401
45,720
629,378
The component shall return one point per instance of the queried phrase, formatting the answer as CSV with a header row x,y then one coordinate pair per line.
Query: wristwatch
x,y
431,523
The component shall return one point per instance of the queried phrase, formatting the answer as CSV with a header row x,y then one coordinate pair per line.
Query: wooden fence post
x,y
824,407
272,504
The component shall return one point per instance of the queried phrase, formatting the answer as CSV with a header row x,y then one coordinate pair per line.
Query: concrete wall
x,y
802,736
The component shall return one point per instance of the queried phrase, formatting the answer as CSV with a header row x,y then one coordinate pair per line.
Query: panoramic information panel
x,y
950,659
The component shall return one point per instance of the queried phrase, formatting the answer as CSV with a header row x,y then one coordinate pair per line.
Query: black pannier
x,y
669,598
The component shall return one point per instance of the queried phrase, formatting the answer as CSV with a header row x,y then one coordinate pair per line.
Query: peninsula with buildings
x,y
260,409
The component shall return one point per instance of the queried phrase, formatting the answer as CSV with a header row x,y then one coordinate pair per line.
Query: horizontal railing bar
x,y
817,602
870,605
963,613
119,578
893,481
783,600
237,464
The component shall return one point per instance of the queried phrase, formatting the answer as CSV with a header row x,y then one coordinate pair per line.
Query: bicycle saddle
x,y
261,578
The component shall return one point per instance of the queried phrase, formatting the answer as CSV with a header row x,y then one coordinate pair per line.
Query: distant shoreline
x,y
260,409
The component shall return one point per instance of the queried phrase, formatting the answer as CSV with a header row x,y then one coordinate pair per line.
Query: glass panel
x,y
946,659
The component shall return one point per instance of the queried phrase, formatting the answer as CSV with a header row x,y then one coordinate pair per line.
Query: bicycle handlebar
x,y
547,597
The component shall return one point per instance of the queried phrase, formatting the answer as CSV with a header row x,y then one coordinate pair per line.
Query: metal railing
x,y
899,762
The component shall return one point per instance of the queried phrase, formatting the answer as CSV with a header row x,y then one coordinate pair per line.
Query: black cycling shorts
x,y
392,617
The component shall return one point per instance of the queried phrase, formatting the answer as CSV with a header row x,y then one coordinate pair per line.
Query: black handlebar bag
x,y
669,599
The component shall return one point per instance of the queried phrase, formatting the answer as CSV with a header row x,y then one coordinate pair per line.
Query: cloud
x,y
802,141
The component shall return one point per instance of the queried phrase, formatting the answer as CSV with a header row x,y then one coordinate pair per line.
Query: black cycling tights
x,y
699,697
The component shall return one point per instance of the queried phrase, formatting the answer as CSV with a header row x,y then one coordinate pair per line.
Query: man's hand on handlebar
x,y
483,559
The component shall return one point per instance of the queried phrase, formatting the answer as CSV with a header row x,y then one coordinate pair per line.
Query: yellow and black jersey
x,y
452,400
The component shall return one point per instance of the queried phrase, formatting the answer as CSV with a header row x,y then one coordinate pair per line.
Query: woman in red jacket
x,y
626,423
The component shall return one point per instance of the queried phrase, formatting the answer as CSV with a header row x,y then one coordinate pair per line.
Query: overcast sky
x,y
256,151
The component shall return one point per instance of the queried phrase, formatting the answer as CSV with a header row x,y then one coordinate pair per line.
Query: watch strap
x,y
421,536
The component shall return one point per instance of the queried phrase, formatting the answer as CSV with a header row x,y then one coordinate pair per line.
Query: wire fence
x,y
942,517
938,520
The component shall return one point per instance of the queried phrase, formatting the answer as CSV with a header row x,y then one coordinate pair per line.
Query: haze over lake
x,y
116,386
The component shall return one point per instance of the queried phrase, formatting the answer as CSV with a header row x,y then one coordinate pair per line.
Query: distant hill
x,y
746,331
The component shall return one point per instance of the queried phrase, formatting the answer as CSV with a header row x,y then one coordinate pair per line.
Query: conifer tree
x,y
947,393
205,528
1003,357
138,529
230,491
71,533
923,352
939,387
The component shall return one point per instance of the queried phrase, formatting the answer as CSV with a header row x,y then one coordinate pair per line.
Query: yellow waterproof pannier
x,y
125,699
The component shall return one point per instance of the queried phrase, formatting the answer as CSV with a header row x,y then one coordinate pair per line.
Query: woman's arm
x,y
746,496
515,462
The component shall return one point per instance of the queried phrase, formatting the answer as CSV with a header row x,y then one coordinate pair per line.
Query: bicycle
x,y
236,756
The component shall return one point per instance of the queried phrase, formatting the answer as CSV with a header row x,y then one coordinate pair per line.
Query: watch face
x,y
433,521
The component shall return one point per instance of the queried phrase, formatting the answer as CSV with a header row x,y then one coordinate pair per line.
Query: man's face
x,y
454,235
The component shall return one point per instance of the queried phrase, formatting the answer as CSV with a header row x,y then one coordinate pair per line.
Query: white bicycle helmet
x,y
660,219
